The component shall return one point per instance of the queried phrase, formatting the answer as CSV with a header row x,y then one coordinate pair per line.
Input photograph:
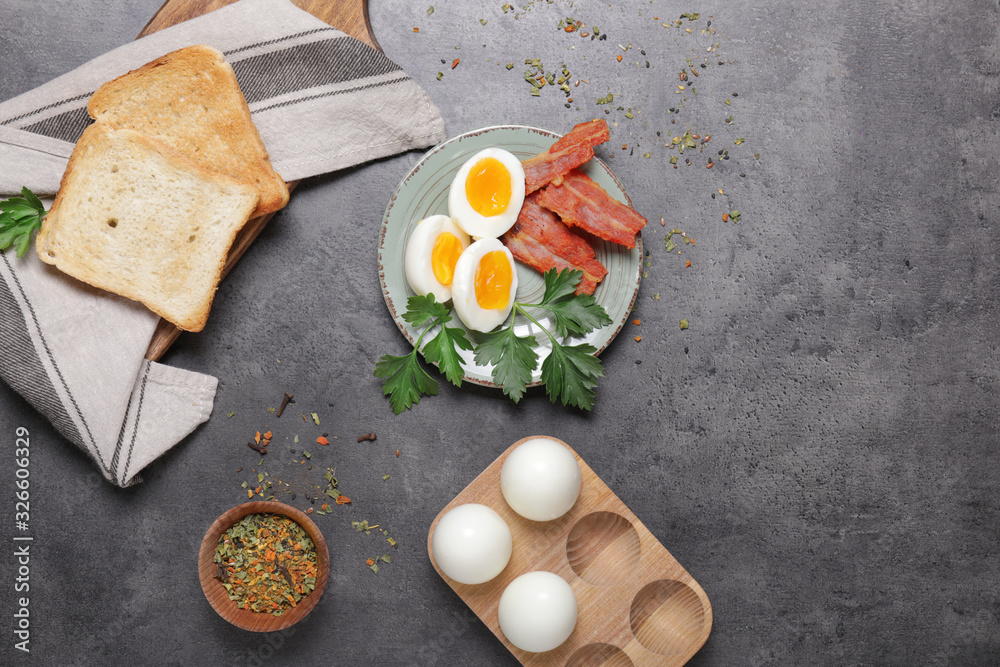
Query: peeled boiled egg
x,y
540,479
487,193
431,254
537,611
485,284
472,544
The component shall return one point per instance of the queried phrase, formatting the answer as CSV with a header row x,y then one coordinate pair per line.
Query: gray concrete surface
x,y
819,448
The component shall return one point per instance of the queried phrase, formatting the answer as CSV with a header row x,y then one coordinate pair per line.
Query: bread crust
x,y
136,218
190,100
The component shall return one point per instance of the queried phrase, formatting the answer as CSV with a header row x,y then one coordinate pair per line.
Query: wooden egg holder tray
x,y
637,605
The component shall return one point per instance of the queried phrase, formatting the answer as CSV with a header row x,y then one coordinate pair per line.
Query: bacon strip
x,y
592,133
569,152
543,242
581,202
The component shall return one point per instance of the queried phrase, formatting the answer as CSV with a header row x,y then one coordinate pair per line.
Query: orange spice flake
x,y
637,322
638,338
455,62
619,57
322,440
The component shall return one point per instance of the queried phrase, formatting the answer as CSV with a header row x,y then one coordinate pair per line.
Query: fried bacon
x,y
569,152
542,241
581,202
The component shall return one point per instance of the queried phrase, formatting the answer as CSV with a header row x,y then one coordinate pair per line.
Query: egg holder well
x,y
637,604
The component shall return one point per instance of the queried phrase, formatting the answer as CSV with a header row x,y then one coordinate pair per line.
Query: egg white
x,y
537,611
417,260
464,287
477,225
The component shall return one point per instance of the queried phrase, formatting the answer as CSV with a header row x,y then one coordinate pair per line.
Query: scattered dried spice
x,y
267,563
322,440
367,437
684,323
430,10
284,403
455,62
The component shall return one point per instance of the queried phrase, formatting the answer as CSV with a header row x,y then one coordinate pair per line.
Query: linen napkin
x,y
321,101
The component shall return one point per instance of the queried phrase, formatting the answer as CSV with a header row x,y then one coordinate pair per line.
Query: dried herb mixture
x,y
267,563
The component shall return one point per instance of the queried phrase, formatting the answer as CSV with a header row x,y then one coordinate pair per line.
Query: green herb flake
x,y
307,455
734,215
439,76
385,477
684,323
231,415
510,66
430,10
315,417
673,159
244,485
260,477
483,21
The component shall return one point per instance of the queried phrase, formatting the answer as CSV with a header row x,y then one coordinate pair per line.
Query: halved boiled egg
x,y
487,193
485,284
431,255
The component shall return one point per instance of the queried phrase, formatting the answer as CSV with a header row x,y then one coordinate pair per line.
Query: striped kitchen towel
x,y
321,101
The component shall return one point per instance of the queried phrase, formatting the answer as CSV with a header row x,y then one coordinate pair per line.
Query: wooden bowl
x,y
216,593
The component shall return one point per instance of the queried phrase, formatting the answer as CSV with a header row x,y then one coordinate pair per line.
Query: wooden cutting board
x,y
348,16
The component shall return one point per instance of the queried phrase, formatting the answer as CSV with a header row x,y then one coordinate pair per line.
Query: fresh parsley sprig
x,y
405,378
569,373
19,218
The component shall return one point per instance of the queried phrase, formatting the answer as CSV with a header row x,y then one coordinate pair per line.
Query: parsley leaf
x,y
19,217
570,374
405,380
575,314
441,351
513,360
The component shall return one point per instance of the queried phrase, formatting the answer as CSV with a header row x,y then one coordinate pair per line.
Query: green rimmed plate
x,y
424,192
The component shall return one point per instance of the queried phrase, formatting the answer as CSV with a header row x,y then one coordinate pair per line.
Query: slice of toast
x,y
189,99
134,218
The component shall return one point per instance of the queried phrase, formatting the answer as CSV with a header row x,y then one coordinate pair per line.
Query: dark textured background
x,y
818,448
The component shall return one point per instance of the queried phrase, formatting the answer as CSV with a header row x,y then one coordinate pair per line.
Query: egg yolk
x,y
444,256
494,275
487,187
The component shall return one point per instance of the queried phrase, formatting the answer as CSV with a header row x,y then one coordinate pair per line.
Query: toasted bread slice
x,y
190,100
134,218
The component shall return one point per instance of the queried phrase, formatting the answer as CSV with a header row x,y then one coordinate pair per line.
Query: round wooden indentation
x,y
216,593
599,655
667,617
603,548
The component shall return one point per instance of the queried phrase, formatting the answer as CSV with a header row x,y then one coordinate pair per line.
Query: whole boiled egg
x,y
540,479
487,193
485,284
537,611
431,254
472,543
